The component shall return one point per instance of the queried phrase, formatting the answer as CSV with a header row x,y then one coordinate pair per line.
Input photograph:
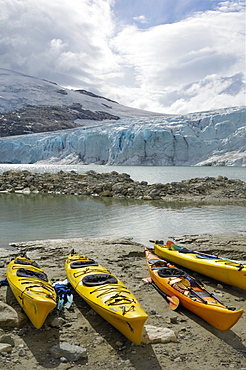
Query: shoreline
x,y
106,347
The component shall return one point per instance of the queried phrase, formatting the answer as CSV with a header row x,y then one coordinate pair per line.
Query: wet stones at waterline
x,y
120,185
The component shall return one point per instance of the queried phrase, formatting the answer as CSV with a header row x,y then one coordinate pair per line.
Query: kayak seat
x,y
78,264
31,274
171,272
21,262
99,279
157,264
186,250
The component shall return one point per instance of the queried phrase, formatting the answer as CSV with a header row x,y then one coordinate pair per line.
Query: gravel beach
x,y
198,344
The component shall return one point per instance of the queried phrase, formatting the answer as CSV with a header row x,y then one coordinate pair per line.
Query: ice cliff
x,y
204,138
66,126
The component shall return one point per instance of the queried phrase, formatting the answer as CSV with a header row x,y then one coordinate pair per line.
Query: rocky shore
x,y
208,189
78,338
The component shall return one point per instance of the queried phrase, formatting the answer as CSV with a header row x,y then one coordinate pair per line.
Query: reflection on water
x,y
47,216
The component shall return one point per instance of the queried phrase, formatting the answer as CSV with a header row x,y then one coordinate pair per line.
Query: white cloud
x,y
213,92
80,44
168,57
68,38
141,19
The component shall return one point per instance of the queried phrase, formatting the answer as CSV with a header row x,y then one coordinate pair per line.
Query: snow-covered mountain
x,y
19,92
134,137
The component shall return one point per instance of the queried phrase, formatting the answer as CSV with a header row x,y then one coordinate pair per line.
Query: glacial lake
x,y
37,216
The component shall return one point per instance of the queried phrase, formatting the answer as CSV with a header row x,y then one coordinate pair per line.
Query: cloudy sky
x,y
169,56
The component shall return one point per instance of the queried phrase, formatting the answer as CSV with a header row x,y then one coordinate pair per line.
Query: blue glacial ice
x,y
206,138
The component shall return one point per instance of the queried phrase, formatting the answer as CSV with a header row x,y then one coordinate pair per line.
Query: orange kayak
x,y
193,296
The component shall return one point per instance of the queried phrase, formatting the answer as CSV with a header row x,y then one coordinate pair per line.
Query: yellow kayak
x,y
194,297
225,270
32,289
107,295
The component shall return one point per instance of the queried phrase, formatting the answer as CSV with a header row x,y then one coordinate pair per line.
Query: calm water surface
x,y
39,216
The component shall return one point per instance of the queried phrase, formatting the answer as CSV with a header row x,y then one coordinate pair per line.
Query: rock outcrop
x,y
47,118
118,185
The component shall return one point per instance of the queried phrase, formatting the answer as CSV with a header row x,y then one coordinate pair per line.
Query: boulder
x,y
71,352
6,338
154,334
5,347
10,317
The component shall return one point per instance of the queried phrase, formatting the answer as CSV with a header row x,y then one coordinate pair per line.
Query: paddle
x,y
172,301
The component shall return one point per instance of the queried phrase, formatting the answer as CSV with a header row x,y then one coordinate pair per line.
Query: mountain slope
x,y
31,105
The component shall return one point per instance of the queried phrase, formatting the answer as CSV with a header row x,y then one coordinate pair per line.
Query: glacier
x,y
215,137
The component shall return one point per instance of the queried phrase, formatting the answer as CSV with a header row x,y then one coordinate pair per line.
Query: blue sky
x,y
170,56
149,13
